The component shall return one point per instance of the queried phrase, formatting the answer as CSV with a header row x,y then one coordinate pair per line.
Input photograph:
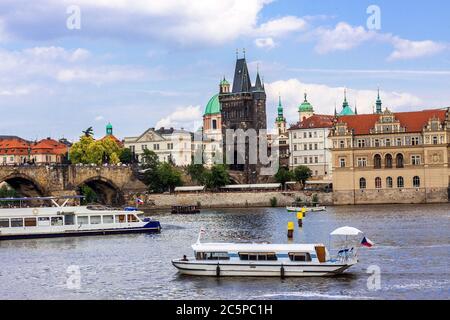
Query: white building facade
x,y
169,144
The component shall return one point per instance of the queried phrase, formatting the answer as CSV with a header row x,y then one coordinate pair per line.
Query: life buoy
x,y
35,211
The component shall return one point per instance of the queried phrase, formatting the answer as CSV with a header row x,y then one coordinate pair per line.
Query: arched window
x,y
377,162
416,182
214,124
389,182
400,182
388,161
399,161
362,183
378,183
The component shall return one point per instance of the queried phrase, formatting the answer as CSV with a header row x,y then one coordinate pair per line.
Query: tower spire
x,y
379,104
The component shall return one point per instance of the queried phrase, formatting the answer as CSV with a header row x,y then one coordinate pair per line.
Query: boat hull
x,y
259,270
310,209
155,229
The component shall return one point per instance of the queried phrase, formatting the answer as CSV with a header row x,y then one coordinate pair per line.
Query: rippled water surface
x,y
412,249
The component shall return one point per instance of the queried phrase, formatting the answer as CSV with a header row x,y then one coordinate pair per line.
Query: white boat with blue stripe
x,y
69,221
267,260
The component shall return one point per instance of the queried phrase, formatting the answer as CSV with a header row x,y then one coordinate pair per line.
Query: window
x,y
304,135
388,161
170,146
389,182
120,218
310,159
341,144
16,222
214,124
295,135
212,256
416,182
377,143
69,220
388,142
132,218
299,256
342,162
83,220
415,160
415,141
377,161
399,142
400,182
316,146
316,159
108,219
258,256
362,183
295,160
361,143
4,223
156,147
295,147
310,134
378,183
399,161
305,160
305,147
435,140
96,219
43,221
57,221
30,222
310,146
362,162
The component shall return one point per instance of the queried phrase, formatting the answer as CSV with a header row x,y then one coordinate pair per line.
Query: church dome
x,y
213,106
305,106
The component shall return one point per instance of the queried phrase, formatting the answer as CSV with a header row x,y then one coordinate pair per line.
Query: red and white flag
x,y
366,242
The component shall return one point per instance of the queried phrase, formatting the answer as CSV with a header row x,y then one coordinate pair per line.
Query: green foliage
x,y
315,198
169,177
197,172
149,160
6,192
217,177
159,177
88,150
302,174
126,156
283,175
273,202
89,195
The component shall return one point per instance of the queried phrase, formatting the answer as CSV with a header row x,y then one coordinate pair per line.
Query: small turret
x,y
224,86
109,129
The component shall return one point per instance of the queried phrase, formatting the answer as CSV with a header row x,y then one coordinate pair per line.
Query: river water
x,y
412,250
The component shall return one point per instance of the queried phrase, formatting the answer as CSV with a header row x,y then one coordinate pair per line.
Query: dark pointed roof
x,y
241,81
258,84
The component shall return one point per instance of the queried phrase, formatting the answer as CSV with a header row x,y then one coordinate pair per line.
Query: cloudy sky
x,y
146,63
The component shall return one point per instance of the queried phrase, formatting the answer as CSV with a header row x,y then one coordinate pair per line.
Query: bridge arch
x,y
107,191
24,185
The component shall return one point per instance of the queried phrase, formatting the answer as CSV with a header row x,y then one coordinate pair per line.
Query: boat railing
x,y
345,254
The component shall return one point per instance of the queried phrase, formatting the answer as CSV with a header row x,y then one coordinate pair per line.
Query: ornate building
x,y
241,107
309,143
389,157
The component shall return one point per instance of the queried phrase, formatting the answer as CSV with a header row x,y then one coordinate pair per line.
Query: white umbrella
x,y
346,231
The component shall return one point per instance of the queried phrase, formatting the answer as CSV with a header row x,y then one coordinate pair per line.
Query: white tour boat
x,y
66,221
270,260
307,209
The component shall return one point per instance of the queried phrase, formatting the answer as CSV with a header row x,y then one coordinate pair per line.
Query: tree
x,y
6,192
169,177
126,156
283,175
302,174
217,177
149,160
89,195
197,173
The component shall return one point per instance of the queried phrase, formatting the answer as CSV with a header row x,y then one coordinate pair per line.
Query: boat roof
x,y
40,198
253,247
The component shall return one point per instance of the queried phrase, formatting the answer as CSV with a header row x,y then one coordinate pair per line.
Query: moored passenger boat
x,y
68,221
268,260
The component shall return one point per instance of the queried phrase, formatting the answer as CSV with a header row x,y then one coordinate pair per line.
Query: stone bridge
x,y
111,183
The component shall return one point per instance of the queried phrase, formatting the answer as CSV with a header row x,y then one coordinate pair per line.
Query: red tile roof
x,y
49,146
316,121
13,147
112,137
413,121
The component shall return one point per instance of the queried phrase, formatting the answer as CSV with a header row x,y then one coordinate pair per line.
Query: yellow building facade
x,y
391,157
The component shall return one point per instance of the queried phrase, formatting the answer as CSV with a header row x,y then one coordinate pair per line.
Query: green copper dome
x,y
224,82
346,110
213,106
305,106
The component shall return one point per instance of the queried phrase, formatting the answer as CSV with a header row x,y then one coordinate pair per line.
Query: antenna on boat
x,y
202,232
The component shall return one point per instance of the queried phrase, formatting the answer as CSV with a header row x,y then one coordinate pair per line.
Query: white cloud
x,y
99,118
324,98
188,118
406,49
343,37
282,26
265,43
99,75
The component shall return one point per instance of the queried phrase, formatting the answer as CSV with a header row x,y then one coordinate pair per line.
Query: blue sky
x,y
142,63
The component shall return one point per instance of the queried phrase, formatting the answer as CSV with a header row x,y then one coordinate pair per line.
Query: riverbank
x,y
231,199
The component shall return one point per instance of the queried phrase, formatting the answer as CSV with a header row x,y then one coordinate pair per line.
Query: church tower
x,y
280,121
109,129
305,110
379,104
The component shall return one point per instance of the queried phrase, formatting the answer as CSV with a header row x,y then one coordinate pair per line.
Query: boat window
x,y
16,222
30,222
96,219
132,218
69,220
57,221
212,256
43,221
83,220
260,256
4,223
300,256
108,219
120,218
